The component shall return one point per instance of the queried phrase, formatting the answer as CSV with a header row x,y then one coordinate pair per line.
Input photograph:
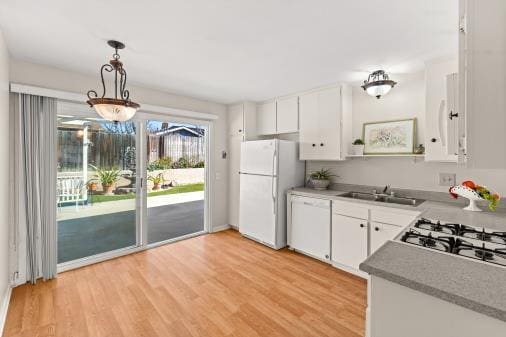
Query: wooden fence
x,y
175,146
107,150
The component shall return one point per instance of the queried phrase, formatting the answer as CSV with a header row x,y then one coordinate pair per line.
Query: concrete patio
x,y
107,226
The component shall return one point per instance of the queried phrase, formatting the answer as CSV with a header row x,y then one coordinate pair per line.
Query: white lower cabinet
x,y
358,230
342,232
349,240
381,233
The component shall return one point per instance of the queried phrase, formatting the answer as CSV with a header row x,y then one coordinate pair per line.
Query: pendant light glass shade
x,y
117,112
117,109
378,84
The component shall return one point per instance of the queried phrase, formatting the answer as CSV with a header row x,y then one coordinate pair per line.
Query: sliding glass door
x,y
175,157
96,187
122,187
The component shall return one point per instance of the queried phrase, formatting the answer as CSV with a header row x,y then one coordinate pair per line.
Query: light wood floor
x,y
213,285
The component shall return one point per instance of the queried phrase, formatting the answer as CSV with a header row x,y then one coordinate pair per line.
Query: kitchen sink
x,y
382,198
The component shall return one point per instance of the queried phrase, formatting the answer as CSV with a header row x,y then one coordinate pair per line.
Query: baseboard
x,y
5,307
221,228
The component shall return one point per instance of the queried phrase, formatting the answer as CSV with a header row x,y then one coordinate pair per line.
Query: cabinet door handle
x,y
240,130
376,229
321,144
314,145
452,114
362,225
433,140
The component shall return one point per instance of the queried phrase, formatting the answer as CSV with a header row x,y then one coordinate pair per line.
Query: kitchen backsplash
x,y
406,173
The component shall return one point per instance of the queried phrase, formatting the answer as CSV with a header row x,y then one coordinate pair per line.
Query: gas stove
x,y
472,242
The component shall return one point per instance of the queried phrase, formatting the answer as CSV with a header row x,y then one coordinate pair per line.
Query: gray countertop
x,y
471,284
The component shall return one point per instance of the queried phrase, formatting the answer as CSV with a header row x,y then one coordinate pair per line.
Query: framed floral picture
x,y
390,137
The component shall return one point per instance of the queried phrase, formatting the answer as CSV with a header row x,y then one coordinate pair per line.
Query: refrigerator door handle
x,y
273,195
274,160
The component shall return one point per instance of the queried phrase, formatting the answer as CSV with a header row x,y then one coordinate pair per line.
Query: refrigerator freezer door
x,y
257,212
259,157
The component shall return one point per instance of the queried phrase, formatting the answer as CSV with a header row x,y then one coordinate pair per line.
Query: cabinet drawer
x,y
350,209
394,217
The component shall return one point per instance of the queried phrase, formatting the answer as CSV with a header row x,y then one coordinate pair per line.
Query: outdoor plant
x,y
160,164
107,177
182,162
358,141
157,181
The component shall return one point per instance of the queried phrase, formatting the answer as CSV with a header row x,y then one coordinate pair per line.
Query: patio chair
x,y
71,189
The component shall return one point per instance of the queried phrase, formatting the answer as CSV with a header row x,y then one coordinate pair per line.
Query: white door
x,y
308,129
310,227
287,114
257,212
236,120
234,146
349,240
329,124
381,233
452,123
437,107
266,118
259,157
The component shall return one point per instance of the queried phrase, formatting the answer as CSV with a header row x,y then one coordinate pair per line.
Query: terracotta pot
x,y
108,189
156,186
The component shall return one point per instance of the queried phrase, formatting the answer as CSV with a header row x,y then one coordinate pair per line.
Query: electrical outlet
x,y
447,179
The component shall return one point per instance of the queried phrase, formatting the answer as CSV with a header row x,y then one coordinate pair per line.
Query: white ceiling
x,y
232,50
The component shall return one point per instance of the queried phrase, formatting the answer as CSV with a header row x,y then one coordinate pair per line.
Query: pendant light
x,y
378,84
120,108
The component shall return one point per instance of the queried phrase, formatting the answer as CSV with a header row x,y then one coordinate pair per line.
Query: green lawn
x,y
172,190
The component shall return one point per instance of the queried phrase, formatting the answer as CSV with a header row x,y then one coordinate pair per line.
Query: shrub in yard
x,y
160,164
182,162
199,164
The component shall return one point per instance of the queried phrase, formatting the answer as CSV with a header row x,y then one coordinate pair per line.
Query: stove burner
x,y
495,256
441,243
428,242
483,254
426,224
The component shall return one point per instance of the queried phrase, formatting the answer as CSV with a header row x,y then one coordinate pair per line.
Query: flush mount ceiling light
x,y
114,109
378,84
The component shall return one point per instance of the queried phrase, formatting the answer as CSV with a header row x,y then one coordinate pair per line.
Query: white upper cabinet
x,y
242,120
236,120
482,81
266,118
287,115
441,115
324,114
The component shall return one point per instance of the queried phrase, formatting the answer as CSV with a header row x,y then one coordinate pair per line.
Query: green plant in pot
x,y
320,179
107,178
358,147
157,181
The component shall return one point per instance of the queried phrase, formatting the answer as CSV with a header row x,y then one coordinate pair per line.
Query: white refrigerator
x,y
269,168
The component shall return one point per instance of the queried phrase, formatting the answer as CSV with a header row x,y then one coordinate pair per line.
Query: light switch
x,y
447,179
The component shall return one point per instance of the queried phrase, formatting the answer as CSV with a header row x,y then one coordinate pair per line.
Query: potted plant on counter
x,y
320,179
358,147
157,181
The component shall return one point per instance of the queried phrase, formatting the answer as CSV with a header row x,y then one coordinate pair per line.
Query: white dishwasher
x,y
309,229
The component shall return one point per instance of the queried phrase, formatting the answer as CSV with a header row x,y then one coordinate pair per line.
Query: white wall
x,y
53,78
4,169
406,100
